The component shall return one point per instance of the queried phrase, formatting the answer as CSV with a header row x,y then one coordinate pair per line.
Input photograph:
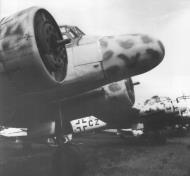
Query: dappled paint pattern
x,y
126,44
27,32
103,43
120,93
22,69
14,36
146,39
107,55
138,53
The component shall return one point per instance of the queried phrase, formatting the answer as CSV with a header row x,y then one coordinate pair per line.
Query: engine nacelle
x,y
106,103
121,92
31,57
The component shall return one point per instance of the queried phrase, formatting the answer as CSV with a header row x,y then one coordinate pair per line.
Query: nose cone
x,y
128,55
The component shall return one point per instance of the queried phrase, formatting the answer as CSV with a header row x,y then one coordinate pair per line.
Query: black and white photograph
x,y
94,88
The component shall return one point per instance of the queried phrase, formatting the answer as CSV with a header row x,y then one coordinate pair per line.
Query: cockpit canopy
x,y
71,32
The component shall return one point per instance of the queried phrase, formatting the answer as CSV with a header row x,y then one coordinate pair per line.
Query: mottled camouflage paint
x,y
13,38
18,39
103,43
126,44
107,55
153,53
116,96
121,92
22,70
26,85
146,39
114,87
130,62
130,55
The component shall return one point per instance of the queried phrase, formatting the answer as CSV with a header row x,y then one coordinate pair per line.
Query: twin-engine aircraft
x,y
163,112
43,68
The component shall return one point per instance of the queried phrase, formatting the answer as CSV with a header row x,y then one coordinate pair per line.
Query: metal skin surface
x,y
36,73
129,55
160,112
111,103
86,124
23,69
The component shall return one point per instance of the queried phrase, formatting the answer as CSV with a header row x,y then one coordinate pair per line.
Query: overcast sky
x,y
168,20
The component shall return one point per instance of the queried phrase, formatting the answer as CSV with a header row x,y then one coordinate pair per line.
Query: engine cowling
x,y
121,92
106,103
110,103
31,57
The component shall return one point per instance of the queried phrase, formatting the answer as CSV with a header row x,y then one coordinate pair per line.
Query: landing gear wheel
x,y
68,161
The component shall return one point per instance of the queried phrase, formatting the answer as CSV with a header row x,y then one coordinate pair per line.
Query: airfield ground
x,y
104,155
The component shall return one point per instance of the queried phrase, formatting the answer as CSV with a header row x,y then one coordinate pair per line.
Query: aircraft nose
x,y
128,55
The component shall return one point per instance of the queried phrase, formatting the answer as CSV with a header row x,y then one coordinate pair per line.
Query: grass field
x,y
104,155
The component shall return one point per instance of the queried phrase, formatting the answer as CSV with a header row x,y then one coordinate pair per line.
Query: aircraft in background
x,y
87,124
180,105
183,105
172,109
13,132
79,126
163,112
43,69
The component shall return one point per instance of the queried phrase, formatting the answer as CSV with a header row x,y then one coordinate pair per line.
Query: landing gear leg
x,y
67,159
